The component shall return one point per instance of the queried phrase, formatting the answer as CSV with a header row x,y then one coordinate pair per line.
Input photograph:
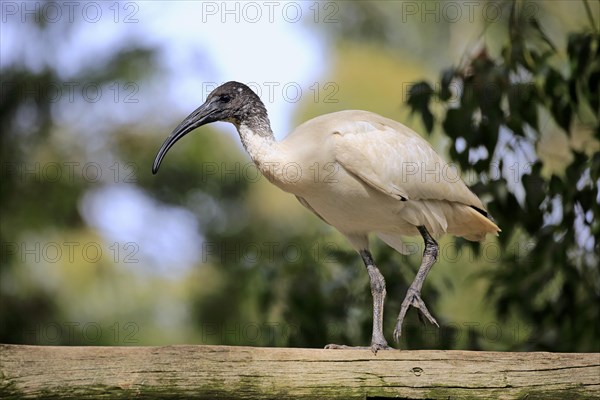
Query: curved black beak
x,y
201,116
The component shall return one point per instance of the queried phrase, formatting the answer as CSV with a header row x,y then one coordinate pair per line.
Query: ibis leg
x,y
378,292
413,295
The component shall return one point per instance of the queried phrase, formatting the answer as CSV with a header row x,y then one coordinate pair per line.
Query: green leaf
x,y
595,167
419,96
489,129
536,25
522,103
556,185
458,123
533,185
557,89
562,112
447,76
427,118
584,109
515,124
579,51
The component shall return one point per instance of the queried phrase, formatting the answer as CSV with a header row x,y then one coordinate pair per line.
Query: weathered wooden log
x,y
223,372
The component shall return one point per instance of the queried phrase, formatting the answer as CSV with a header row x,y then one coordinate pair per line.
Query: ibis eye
x,y
225,98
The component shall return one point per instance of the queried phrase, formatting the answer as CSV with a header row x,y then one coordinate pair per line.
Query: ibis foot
x,y
413,295
413,298
375,347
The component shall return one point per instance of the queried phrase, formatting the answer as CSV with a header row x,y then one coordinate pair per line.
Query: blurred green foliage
x,y
36,201
553,283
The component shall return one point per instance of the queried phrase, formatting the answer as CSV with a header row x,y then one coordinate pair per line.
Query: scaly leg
x,y
378,292
413,295
378,341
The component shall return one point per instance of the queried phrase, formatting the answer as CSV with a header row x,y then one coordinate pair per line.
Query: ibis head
x,y
231,102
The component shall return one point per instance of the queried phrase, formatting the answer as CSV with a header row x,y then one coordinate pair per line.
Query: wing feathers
x,y
400,164
394,160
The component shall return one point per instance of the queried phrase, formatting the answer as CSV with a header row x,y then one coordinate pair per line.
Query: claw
x,y
375,347
332,346
413,298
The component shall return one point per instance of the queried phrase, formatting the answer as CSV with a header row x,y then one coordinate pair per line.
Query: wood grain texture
x,y
223,372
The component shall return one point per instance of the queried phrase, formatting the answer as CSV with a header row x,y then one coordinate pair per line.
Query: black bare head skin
x,y
235,103
232,102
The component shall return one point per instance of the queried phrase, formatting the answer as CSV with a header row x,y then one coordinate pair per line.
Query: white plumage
x,y
383,178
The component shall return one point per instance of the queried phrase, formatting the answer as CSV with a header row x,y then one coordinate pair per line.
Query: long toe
x,y
375,347
419,304
398,331
413,298
333,346
345,347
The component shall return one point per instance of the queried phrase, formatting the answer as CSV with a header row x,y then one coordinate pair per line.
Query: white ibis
x,y
384,179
